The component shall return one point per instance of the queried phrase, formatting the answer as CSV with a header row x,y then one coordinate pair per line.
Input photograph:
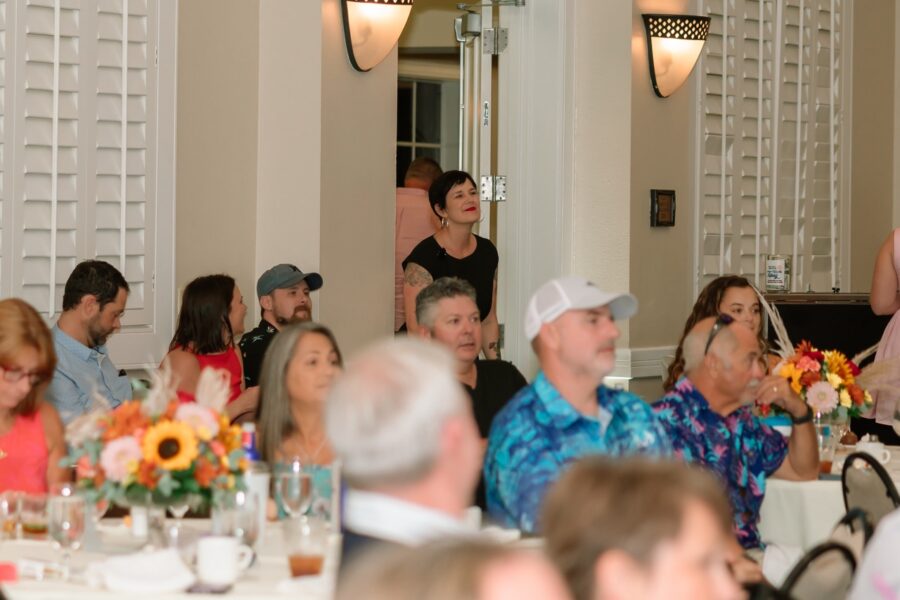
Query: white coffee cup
x,y
876,449
220,559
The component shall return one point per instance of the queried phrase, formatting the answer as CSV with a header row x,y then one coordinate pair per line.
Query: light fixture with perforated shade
x,y
674,43
372,28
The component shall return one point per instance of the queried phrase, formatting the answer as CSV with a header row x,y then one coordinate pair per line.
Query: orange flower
x,y
170,410
99,478
146,475
125,419
808,378
217,447
84,469
204,472
856,394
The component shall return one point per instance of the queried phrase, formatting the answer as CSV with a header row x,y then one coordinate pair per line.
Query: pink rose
x,y
116,456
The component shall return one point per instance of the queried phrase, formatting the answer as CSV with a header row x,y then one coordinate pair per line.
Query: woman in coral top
x,y
211,318
31,432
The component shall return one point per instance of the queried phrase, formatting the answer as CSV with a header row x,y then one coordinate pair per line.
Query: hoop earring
x,y
443,222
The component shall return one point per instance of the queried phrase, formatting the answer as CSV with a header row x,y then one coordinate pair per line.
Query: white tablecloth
x,y
802,514
268,578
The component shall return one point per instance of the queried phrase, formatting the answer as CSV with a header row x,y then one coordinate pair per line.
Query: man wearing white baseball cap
x,y
567,412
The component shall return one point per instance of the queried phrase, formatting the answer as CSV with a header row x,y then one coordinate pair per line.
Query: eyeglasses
x,y
723,320
16,375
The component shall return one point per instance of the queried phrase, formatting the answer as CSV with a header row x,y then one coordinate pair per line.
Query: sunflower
x,y
837,363
170,444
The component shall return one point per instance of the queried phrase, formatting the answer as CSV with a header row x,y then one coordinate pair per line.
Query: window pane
x,y
404,157
404,111
428,113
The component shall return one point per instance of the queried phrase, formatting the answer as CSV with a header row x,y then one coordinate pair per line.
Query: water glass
x,y
294,489
65,523
237,515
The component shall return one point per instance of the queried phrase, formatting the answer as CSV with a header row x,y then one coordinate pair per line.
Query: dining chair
x,y
824,573
867,485
854,531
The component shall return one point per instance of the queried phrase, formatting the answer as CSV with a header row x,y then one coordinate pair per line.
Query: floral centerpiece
x,y
156,451
826,381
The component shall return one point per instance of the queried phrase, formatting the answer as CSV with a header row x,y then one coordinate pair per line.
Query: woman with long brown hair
x,y
732,295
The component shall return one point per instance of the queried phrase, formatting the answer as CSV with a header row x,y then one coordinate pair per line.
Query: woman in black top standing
x,y
455,251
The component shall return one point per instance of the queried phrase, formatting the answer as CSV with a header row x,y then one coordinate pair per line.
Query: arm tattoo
x,y
416,276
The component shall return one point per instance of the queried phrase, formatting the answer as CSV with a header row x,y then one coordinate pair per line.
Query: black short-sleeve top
x,y
479,268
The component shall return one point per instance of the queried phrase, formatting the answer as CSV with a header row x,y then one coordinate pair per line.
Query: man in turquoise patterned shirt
x,y
567,412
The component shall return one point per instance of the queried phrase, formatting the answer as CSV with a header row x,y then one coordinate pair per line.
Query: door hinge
x,y
493,188
494,40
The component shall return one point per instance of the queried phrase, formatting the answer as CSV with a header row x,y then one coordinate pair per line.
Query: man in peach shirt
x,y
415,222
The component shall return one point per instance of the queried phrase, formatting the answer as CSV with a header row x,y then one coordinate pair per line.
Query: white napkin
x,y
142,573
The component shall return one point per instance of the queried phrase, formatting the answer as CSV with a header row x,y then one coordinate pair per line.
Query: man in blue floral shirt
x,y
708,418
567,412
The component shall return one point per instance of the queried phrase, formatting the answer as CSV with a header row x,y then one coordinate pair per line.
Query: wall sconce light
x,y
372,28
674,43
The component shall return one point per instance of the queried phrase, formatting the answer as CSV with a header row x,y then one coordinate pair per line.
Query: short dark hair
x,y
437,193
443,287
93,278
424,168
205,307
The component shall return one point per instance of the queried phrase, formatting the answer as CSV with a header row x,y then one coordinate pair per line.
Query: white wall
x,y
285,154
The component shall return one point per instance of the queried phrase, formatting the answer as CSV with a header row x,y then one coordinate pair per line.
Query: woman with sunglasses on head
x,y
454,251
32,441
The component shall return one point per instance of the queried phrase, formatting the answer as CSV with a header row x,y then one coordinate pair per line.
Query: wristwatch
x,y
805,418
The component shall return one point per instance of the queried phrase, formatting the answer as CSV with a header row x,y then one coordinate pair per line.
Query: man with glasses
x,y
567,412
709,419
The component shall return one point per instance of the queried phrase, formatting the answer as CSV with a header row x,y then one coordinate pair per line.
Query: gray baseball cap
x,y
284,276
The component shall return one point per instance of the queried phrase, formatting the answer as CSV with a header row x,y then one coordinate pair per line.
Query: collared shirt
x,y
387,518
739,448
539,432
253,346
81,373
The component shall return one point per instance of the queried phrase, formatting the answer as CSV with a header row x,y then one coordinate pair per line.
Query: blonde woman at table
x,y
885,300
31,432
297,372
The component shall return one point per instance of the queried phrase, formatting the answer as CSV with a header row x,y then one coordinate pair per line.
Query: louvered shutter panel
x,y
79,165
769,145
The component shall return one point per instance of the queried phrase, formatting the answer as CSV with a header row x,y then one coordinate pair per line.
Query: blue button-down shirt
x,y
80,373
739,448
539,432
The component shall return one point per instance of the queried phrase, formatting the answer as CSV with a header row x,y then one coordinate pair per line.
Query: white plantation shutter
x,y
771,140
80,146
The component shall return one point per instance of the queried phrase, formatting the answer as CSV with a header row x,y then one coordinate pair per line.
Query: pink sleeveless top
x,y
226,361
886,400
23,466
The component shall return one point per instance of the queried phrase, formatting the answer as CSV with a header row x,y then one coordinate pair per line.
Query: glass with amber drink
x,y
306,540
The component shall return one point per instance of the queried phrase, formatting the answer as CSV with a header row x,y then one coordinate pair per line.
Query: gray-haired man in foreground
x,y
403,429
